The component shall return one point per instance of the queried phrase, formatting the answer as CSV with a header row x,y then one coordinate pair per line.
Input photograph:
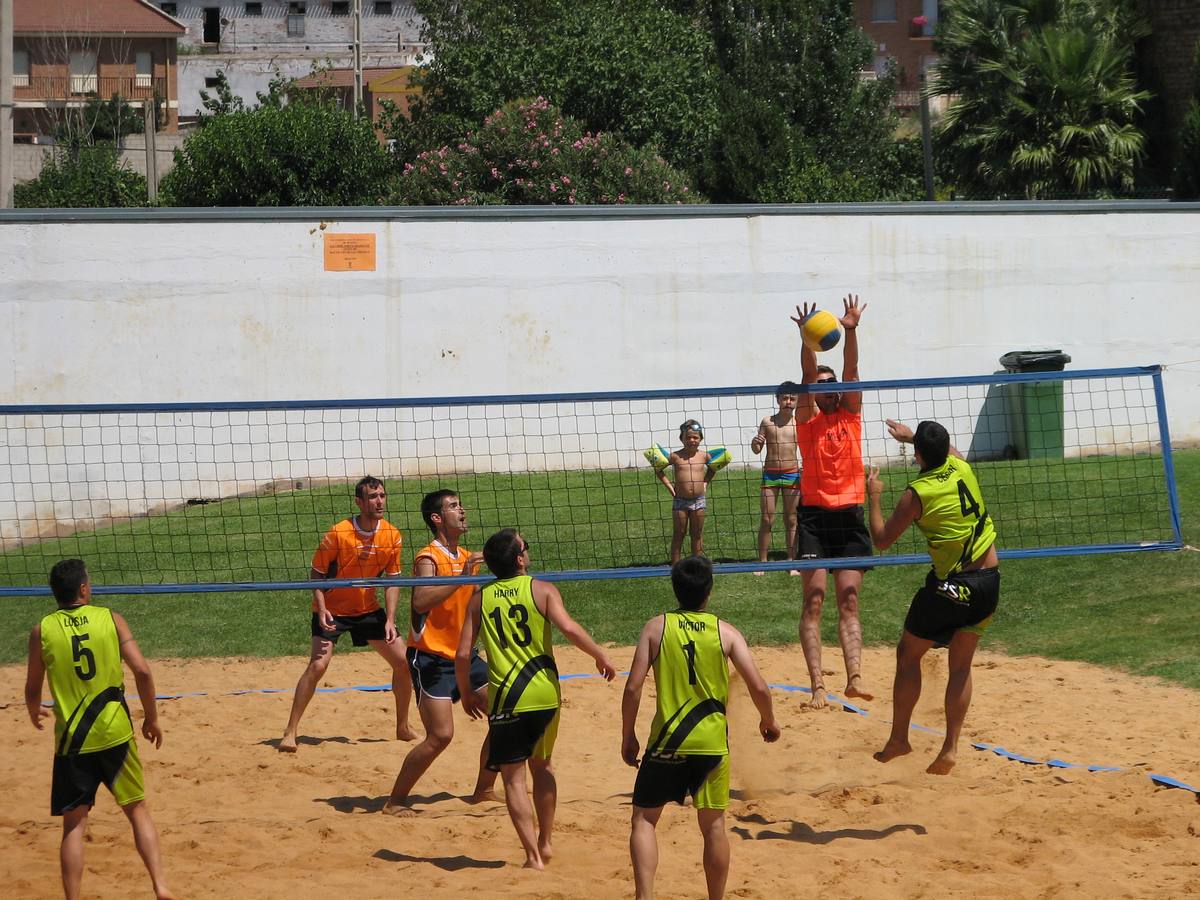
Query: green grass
x,y
1134,611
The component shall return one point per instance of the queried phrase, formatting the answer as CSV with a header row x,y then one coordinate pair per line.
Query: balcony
x,y
59,89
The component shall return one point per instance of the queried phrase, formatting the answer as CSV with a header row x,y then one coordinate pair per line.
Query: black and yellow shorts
x,y
78,776
516,737
965,601
671,777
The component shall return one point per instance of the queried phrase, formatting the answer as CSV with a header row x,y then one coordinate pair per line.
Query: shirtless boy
x,y
781,470
692,475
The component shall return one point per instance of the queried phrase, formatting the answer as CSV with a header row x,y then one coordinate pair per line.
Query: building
x,y
251,42
902,34
379,86
69,52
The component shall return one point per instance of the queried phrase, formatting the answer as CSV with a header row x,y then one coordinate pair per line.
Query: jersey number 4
x,y
520,616
970,506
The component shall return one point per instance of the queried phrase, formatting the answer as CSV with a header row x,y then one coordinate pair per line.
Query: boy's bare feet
x,y
943,763
891,750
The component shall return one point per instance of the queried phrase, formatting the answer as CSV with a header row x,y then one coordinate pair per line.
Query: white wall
x,y
154,309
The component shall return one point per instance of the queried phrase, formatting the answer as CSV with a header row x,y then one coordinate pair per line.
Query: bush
x,y
302,154
89,176
1187,171
530,153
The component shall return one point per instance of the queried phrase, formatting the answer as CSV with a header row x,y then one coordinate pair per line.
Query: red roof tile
x,y
345,77
92,17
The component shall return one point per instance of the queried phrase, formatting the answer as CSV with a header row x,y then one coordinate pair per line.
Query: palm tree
x,y
1044,100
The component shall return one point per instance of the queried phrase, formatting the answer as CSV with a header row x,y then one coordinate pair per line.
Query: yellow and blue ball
x,y
719,458
657,457
820,331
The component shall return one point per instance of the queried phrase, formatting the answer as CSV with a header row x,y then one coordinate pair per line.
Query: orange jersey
x,y
831,447
438,630
348,552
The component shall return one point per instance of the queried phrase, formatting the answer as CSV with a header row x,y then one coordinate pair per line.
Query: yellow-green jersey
x,y
956,525
692,682
522,675
82,654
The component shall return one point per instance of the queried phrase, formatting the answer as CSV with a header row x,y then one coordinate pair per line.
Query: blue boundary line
x,y
1156,778
574,397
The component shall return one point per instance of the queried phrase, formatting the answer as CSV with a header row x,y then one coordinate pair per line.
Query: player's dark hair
x,y
787,387
431,505
367,481
825,370
67,579
692,579
501,552
691,425
932,441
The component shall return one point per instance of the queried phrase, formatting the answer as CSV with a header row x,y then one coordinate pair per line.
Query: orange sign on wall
x,y
349,252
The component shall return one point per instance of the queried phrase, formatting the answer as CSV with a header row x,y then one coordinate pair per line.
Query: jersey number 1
x,y
689,650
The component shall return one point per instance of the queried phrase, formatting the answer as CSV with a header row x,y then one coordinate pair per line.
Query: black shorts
x,y
963,601
78,776
433,675
671,778
515,737
832,533
367,627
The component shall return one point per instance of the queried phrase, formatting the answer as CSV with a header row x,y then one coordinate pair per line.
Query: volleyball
x,y
657,457
820,331
719,458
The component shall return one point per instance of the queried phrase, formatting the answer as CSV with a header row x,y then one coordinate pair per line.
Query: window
x,y
254,9
883,10
297,9
339,9
212,24
295,25
145,69
211,81
383,9
20,68
83,72
169,8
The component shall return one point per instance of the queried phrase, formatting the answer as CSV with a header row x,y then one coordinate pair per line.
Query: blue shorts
x,y
691,504
433,675
774,478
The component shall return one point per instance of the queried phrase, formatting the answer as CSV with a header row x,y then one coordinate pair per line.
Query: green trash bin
x,y
1035,408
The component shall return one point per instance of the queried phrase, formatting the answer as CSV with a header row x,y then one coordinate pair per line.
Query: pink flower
x,y
620,198
553,187
920,21
566,180
628,170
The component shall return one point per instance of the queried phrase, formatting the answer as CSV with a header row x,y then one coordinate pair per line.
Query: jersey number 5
x,y
970,506
520,617
85,660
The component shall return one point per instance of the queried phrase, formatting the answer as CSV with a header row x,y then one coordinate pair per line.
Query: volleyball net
x,y
235,496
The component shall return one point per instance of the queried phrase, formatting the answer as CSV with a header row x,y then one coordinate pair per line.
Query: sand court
x,y
813,812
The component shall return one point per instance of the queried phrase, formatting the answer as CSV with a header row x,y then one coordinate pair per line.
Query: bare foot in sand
x,y
533,862
488,796
287,744
399,810
891,750
545,851
406,733
943,763
818,699
854,688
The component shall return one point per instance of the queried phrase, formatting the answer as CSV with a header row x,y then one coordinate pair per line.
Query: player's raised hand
x,y
802,314
899,431
853,311
630,748
874,482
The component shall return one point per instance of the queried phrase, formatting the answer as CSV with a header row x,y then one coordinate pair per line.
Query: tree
x,y
629,66
91,175
301,154
1187,171
530,153
1044,102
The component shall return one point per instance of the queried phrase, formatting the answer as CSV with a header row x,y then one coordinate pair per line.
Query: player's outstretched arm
x,y
35,674
631,697
852,400
907,511
556,612
806,406
904,434
462,658
144,679
735,648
